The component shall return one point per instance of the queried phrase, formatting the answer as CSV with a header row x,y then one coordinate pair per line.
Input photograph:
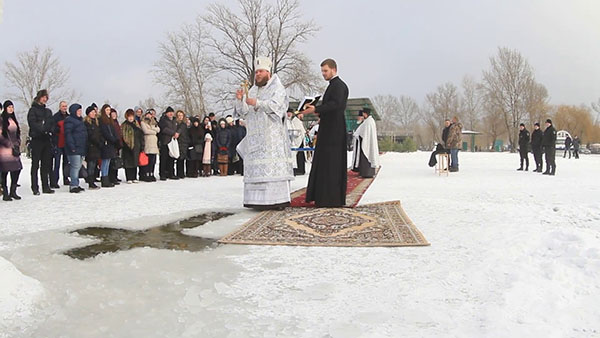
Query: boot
x,y
553,171
6,194
13,192
92,185
106,183
520,169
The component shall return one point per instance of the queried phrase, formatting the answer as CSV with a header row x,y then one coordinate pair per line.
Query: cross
x,y
168,236
245,85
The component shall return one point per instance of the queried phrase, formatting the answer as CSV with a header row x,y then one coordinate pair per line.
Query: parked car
x,y
595,148
584,150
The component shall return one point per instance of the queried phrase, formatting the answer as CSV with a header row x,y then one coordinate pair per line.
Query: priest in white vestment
x,y
365,158
266,147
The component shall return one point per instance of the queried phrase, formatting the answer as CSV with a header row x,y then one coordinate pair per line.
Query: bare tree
x,y
184,68
408,114
492,124
507,84
386,106
536,102
470,103
34,70
275,31
442,104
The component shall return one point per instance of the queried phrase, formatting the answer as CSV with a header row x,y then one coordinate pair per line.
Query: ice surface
x,y
512,254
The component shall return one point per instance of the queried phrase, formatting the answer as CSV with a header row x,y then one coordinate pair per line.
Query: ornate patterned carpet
x,y
356,187
380,224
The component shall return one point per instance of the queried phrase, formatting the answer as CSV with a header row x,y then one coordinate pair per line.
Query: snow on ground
x,y
512,254
19,296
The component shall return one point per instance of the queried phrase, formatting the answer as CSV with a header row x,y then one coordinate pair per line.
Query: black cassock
x,y
328,176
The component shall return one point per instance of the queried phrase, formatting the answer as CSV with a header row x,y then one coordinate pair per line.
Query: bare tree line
x,y
203,63
506,95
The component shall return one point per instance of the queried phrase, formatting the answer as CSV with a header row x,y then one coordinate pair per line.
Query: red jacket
x,y
61,134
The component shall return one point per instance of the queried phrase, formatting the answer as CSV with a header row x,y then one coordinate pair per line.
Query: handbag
x,y
16,150
173,147
143,159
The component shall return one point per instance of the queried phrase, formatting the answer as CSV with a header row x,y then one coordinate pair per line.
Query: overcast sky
x,y
382,47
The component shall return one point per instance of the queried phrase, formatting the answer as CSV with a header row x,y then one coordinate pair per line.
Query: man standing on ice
x,y
328,175
549,144
266,148
366,149
524,146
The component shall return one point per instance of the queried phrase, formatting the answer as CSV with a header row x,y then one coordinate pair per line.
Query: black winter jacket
x,y
536,139
549,139
168,128
95,139
41,123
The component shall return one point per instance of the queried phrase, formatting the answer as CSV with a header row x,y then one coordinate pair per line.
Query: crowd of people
x,y
91,144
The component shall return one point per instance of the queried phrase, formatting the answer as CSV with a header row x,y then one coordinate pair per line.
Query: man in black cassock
x,y
328,175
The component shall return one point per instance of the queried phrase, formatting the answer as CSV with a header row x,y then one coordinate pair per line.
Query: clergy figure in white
x,y
266,147
366,150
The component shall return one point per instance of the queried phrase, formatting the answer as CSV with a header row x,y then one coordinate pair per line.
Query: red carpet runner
x,y
356,188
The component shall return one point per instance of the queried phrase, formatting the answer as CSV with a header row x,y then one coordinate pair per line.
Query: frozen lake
x,y
512,254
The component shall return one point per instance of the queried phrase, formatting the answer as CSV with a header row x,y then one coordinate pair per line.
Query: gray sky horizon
x,y
400,48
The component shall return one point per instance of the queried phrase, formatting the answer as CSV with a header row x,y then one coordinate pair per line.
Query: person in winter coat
x,y
549,144
10,156
223,142
208,147
58,143
568,143
196,147
536,146
95,143
75,144
184,141
168,131
576,145
133,144
454,143
109,147
114,165
445,132
151,129
241,133
41,126
524,146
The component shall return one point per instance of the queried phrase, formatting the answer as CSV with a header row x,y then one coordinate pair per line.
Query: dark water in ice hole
x,y
168,236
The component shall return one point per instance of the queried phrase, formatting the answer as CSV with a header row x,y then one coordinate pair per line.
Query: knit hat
x,y
522,125
88,110
6,104
94,105
229,119
536,124
263,63
169,110
549,121
74,108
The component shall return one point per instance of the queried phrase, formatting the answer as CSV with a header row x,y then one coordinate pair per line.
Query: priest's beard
x,y
263,82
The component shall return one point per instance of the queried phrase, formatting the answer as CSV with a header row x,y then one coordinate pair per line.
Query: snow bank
x,y
19,297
